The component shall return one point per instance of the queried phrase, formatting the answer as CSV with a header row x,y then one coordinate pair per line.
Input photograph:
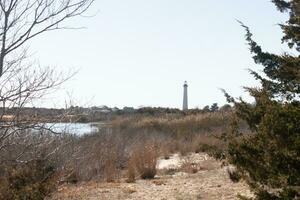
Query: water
x,y
73,128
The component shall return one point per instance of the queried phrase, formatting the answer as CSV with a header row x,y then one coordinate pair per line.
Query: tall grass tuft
x,y
144,159
131,171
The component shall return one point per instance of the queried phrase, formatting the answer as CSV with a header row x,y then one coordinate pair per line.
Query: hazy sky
x,y
139,52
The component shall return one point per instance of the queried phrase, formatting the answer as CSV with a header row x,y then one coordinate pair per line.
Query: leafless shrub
x,y
25,142
144,158
23,20
130,171
111,173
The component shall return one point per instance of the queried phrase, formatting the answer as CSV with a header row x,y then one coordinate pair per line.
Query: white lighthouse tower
x,y
185,96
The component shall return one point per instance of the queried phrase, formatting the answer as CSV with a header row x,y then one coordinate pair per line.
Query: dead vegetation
x,y
129,149
132,145
210,182
144,159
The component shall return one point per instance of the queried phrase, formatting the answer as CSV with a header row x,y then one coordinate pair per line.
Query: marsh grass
x,y
131,145
178,133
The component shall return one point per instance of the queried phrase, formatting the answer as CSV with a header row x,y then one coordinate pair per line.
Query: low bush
x,y
31,181
110,169
130,171
144,159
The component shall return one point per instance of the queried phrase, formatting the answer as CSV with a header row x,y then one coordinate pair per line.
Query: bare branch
x,y
22,20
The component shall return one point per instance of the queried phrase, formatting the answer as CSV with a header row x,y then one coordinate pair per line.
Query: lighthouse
x,y
185,96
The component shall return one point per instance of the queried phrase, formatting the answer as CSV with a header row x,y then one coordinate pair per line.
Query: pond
x,y
74,128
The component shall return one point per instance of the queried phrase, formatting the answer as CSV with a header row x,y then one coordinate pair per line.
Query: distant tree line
x,y
103,113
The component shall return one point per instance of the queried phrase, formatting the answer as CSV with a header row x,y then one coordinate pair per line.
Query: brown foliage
x,y
98,157
144,159
111,173
131,171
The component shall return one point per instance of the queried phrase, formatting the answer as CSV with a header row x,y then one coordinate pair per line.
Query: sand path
x,y
211,182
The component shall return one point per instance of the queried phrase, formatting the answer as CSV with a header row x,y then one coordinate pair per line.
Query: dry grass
x,y
131,146
214,183
178,133
99,157
144,159
175,124
106,155
111,173
130,171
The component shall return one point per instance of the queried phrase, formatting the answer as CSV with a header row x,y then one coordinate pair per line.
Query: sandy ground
x,y
173,182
